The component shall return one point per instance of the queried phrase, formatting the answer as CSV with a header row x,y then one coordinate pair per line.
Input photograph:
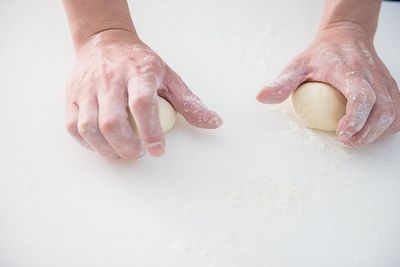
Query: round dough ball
x,y
318,106
167,115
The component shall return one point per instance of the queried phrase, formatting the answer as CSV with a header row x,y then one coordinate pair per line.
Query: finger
x,y
394,92
72,121
285,84
378,122
380,119
89,130
115,126
143,104
360,101
188,104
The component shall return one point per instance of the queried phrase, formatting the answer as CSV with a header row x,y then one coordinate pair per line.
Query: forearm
x,y
363,14
88,17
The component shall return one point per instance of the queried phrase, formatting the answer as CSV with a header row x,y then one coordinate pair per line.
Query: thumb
x,y
286,83
188,104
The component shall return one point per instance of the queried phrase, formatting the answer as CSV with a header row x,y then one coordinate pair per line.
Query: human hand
x,y
117,73
344,56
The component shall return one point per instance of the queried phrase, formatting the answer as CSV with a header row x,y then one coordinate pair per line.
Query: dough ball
x,y
318,106
166,112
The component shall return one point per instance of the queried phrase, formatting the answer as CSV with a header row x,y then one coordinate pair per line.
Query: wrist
x,y
348,29
80,38
89,18
352,16
106,37
350,26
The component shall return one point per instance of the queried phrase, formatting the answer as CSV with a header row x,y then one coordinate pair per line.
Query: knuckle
x,y
352,123
71,127
364,96
87,127
105,73
142,101
149,64
152,59
353,73
353,61
110,124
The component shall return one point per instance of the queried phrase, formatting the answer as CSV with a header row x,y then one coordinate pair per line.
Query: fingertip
x,y
209,120
348,127
260,96
215,121
343,134
347,143
340,136
133,154
349,139
271,95
156,149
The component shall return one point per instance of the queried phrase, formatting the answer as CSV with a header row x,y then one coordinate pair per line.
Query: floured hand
x,y
115,70
344,57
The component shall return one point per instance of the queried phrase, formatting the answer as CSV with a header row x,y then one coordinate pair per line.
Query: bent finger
x,y
143,104
394,92
88,128
115,126
380,119
360,101
71,125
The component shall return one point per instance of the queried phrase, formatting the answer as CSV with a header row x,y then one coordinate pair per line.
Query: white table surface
x,y
260,191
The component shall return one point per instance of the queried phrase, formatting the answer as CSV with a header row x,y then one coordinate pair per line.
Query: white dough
x,y
318,106
167,115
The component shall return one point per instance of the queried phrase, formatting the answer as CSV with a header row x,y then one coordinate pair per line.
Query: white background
x,y
260,191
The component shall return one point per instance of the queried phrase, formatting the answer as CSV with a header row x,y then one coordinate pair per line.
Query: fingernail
x,y
155,149
345,134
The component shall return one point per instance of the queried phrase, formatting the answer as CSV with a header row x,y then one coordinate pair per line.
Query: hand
x,y
344,57
116,73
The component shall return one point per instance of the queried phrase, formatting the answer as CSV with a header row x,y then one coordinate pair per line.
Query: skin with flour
x,y
343,55
114,71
